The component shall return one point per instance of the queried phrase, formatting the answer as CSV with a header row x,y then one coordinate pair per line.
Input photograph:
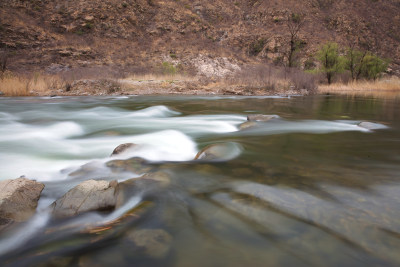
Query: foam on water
x,y
60,130
40,143
306,126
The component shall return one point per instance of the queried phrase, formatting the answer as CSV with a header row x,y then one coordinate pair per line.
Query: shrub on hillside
x,y
331,61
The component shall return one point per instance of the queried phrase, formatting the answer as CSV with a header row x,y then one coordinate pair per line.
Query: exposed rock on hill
x,y
139,35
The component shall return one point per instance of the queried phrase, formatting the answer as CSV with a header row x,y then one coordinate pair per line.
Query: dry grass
x,y
383,87
13,85
159,77
273,79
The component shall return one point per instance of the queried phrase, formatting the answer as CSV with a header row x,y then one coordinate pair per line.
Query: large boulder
x,y
261,117
87,196
18,199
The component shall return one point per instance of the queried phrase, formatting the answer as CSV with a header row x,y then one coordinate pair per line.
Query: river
x,y
309,188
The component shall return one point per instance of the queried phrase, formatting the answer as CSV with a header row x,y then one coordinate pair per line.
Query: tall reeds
x,y
17,85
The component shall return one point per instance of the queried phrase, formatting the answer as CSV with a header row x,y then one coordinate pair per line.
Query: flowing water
x,y
310,188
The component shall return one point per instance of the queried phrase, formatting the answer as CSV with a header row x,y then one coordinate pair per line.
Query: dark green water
x,y
309,189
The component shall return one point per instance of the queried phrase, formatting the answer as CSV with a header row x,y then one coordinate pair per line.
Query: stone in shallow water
x,y
247,125
155,242
147,184
87,196
371,125
261,117
123,148
18,199
135,165
219,152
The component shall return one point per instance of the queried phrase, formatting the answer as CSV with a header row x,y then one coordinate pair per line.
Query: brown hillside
x,y
138,35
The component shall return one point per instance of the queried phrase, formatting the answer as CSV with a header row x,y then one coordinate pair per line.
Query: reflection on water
x,y
309,189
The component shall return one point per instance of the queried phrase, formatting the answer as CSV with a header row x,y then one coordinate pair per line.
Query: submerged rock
x,y
222,151
149,183
261,117
122,148
135,165
247,125
371,125
87,196
18,199
155,243
85,169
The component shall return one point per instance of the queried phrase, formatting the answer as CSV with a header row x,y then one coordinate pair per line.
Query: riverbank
x,y
251,81
54,85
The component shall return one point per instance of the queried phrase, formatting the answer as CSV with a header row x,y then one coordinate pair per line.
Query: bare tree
x,y
354,60
3,60
294,23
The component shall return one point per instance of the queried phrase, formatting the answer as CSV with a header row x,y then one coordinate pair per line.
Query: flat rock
x,y
90,195
18,199
261,117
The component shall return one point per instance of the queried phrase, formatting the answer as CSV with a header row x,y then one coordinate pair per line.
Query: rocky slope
x,y
139,35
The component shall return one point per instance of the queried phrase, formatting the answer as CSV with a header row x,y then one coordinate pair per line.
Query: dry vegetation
x,y
262,79
383,87
16,85
273,79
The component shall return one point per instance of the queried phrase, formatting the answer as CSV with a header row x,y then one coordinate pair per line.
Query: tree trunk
x,y
329,77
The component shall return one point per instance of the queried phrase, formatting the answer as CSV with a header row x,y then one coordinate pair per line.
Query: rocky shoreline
x,y
19,197
163,87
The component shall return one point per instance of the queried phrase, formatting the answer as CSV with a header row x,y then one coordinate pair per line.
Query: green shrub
x,y
331,62
373,66
173,55
89,25
257,46
364,64
168,68
309,64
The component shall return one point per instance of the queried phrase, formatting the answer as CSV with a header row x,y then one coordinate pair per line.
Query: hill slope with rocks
x,y
207,37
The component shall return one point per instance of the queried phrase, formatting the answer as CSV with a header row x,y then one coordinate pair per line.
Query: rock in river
x,y
261,117
18,199
219,152
89,195
371,125
122,148
247,125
